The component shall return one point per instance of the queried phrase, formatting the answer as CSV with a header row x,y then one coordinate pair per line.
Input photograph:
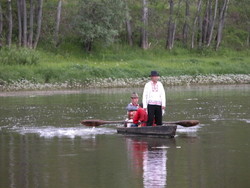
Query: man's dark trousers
x,y
154,112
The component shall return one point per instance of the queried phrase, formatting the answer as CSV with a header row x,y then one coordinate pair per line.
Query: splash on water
x,y
247,120
193,129
189,131
69,132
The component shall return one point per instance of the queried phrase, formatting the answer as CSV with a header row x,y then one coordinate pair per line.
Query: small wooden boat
x,y
169,130
166,131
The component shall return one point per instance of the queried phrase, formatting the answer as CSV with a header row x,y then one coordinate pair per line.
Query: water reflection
x,y
11,163
32,161
154,168
149,159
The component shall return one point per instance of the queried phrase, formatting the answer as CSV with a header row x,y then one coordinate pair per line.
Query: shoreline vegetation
x,y
68,67
185,80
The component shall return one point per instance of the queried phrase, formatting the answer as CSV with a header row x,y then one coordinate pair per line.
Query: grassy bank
x,y
70,63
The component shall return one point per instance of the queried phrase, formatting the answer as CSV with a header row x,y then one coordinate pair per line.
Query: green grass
x,y
70,62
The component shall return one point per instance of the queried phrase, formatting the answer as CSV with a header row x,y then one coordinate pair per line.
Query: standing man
x,y
154,99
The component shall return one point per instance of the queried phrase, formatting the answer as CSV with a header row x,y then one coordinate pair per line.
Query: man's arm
x,y
163,97
144,96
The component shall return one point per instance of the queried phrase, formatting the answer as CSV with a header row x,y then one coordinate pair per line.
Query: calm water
x,y
42,143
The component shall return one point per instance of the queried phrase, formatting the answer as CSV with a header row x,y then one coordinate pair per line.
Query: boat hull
x,y
168,131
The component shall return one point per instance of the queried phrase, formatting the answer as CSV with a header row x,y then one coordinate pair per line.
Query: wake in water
x,y
231,119
83,132
193,129
69,132
189,131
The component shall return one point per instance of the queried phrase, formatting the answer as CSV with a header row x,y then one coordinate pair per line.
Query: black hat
x,y
154,73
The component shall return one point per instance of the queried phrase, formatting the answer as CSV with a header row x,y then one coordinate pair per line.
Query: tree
x,y
10,25
171,26
99,19
39,23
205,22
128,25
1,24
186,24
244,18
144,29
24,10
25,36
196,19
212,23
58,20
31,24
237,28
221,23
19,16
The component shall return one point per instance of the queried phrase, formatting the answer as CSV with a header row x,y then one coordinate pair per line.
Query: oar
x,y
184,123
96,122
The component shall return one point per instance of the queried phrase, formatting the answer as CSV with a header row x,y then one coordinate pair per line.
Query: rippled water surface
x,y
42,143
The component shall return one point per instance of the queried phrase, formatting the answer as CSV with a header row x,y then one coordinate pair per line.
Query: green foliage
x,y
99,19
18,56
49,74
13,73
102,22
119,61
236,37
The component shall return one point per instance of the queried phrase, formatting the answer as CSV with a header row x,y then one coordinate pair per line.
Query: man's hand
x,y
163,107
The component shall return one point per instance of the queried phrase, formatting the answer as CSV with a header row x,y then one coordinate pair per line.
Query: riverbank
x,y
69,67
184,80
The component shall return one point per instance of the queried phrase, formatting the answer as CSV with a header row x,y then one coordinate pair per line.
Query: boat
x,y
168,129
162,131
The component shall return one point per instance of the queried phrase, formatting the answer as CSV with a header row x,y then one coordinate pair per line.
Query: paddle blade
x,y
92,123
188,123
97,122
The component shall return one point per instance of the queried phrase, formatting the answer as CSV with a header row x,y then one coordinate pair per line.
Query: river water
x,y
42,143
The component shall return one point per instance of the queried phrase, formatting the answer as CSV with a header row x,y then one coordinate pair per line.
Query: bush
x,y
50,74
18,56
105,25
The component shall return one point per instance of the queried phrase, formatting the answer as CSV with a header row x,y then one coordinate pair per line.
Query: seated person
x,y
140,118
131,109
133,106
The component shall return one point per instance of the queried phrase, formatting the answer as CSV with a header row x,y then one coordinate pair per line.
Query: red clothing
x,y
131,114
140,116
